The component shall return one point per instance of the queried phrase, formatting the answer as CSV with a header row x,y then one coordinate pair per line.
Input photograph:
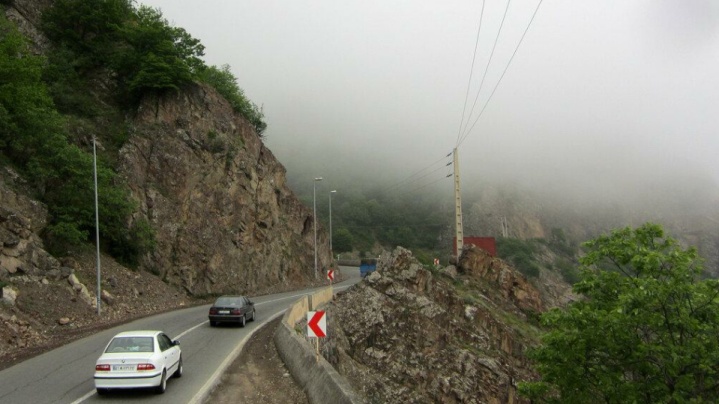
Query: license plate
x,y
224,312
123,368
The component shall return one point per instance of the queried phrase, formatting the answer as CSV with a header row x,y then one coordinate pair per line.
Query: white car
x,y
135,359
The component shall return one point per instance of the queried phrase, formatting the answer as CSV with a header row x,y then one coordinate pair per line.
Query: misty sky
x,y
602,98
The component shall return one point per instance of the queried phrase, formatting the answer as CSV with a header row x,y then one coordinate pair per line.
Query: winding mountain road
x,y
65,374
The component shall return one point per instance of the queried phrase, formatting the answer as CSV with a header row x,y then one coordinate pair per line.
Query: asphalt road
x,y
65,374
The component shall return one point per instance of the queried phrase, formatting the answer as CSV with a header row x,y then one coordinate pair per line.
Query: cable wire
x,y
407,180
503,73
489,61
471,72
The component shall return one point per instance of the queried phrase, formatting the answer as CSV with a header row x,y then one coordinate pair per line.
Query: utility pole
x,y
459,231
505,227
97,225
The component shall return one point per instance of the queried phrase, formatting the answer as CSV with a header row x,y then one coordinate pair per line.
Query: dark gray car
x,y
232,309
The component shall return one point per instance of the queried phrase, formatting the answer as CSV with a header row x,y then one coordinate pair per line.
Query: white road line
x,y
215,376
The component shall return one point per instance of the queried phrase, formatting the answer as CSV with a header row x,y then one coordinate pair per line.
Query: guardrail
x,y
315,375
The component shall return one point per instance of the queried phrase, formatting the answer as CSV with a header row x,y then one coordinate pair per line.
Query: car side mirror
x,y
251,302
176,342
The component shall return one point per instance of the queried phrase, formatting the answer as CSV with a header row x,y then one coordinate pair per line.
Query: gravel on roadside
x,y
258,375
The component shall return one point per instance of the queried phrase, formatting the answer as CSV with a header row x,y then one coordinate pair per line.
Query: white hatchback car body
x,y
135,359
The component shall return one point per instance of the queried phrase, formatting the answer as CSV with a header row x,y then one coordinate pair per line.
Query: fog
x,y
604,101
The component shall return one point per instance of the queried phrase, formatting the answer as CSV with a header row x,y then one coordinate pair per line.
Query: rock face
x,y
21,220
405,334
225,220
26,14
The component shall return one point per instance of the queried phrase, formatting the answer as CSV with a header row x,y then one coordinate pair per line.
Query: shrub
x,y
225,83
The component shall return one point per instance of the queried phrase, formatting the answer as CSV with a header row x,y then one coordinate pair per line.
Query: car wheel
x,y
253,316
213,323
163,383
178,372
242,322
102,392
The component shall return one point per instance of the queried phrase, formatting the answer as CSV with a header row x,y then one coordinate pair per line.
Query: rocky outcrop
x,y
406,334
26,14
224,217
21,219
513,286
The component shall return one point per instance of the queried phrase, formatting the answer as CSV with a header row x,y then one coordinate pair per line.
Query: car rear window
x,y
130,344
229,301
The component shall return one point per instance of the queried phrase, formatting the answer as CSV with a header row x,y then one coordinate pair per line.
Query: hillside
x,y
192,204
408,334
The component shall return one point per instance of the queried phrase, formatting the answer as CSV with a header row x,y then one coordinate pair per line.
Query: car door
x,y
246,308
170,353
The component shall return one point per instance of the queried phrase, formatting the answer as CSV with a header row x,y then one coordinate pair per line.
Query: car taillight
x,y
146,366
102,368
236,311
213,310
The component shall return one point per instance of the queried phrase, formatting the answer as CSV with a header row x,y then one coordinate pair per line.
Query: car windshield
x,y
229,301
130,344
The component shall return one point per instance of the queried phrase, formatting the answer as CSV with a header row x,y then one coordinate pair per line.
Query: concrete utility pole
x,y
458,205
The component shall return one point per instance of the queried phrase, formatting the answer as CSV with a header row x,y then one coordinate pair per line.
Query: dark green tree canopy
x,y
645,329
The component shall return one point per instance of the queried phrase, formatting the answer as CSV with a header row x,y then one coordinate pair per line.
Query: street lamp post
x,y
97,226
331,192
314,217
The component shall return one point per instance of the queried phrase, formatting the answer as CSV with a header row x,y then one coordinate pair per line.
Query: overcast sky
x,y
602,97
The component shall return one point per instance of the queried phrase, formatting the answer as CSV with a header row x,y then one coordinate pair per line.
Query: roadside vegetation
x,y
644,330
105,56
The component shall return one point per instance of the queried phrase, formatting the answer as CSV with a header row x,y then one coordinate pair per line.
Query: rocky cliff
x,y
406,334
217,198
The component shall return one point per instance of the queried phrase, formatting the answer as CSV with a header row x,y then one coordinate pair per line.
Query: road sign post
x,y
316,328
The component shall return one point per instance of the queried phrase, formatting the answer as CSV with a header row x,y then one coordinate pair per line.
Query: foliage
x,y
225,83
28,120
521,253
145,54
32,136
139,240
341,241
646,331
66,86
567,269
90,29
559,242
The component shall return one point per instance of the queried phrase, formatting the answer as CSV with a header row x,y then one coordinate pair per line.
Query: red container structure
x,y
488,244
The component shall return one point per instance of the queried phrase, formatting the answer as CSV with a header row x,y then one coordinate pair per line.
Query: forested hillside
x,y
104,57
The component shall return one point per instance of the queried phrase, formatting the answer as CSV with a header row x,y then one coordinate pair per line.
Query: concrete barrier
x,y
318,378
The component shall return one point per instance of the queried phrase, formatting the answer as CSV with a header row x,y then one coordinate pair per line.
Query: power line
x,y
471,72
489,61
503,73
425,185
407,180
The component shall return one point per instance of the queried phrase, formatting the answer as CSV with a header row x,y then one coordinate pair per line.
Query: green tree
x,y
342,241
644,331
33,138
225,83
28,120
91,29
156,56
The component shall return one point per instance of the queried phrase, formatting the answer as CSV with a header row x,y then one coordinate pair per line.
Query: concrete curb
x,y
318,379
